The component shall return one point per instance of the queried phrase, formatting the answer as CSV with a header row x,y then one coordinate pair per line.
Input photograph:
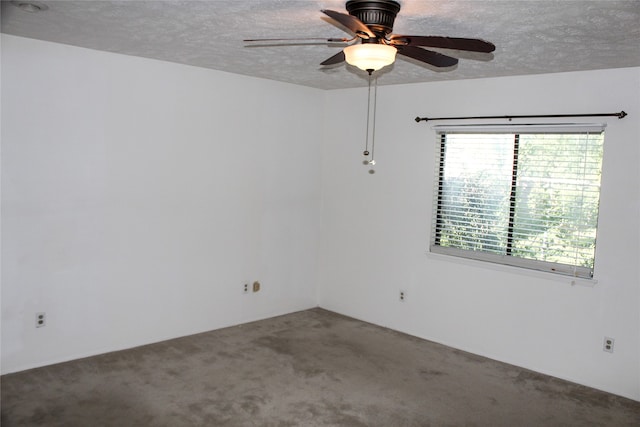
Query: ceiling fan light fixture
x,y
370,56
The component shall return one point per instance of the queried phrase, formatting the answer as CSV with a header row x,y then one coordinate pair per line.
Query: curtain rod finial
x,y
622,114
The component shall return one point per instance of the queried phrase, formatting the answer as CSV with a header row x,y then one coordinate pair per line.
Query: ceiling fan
x,y
373,46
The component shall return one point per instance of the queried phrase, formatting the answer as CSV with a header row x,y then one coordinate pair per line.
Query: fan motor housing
x,y
378,15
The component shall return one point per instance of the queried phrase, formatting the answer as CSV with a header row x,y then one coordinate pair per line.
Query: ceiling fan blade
x,y
351,22
302,39
335,59
434,58
472,45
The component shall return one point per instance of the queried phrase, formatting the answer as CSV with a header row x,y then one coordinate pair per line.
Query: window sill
x,y
573,281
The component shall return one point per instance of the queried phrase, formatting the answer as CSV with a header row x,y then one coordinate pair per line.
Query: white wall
x,y
138,196
375,231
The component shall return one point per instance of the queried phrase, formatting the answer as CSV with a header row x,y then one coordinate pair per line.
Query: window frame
x,y
506,258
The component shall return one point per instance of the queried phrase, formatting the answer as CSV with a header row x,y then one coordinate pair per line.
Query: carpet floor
x,y
311,368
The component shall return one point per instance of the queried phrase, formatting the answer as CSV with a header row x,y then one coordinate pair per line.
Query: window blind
x,y
526,197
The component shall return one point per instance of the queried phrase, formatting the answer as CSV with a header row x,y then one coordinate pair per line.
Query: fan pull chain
x,y
366,139
372,162
370,125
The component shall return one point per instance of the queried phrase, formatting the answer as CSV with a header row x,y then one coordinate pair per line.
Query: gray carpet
x,y
312,368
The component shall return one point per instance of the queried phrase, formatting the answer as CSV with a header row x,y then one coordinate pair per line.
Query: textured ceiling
x,y
531,37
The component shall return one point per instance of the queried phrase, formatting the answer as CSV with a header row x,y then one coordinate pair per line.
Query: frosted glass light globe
x,y
370,56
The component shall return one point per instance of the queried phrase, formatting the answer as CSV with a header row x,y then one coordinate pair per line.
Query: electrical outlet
x,y
245,288
256,286
41,320
403,296
608,344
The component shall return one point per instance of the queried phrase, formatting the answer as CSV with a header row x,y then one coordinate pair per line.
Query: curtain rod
x,y
619,115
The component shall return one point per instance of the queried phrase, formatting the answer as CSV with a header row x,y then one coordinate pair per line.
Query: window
x,y
524,196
